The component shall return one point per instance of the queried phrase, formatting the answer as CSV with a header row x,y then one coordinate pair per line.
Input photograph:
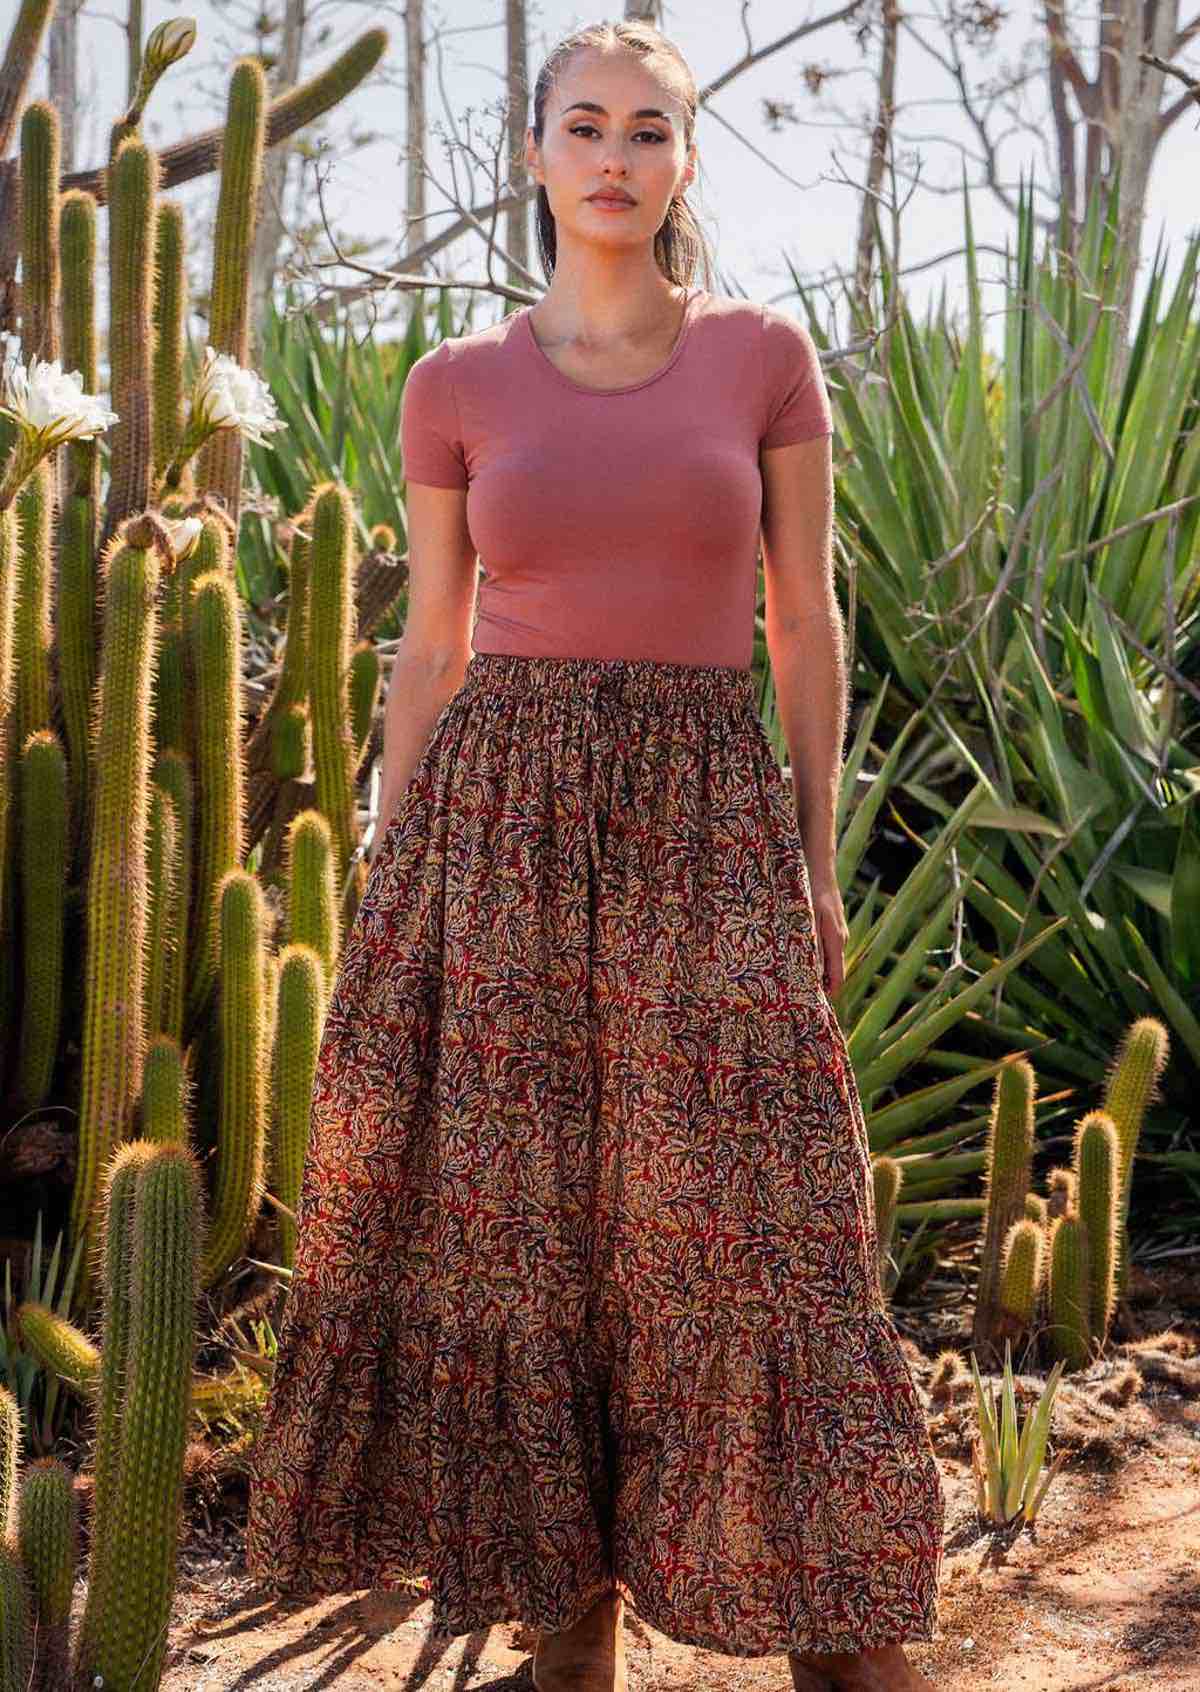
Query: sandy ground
x,y
1102,1592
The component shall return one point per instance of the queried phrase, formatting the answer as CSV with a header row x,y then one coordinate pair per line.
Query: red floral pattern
x,y
585,1284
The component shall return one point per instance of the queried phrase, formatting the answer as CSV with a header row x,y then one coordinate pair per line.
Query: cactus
x,y
331,613
216,654
220,465
1022,1274
162,914
172,773
312,916
244,1050
170,337
1009,1155
144,1419
1132,1083
1035,1208
77,241
71,1355
302,1002
116,898
49,1546
133,185
77,645
43,836
887,1174
366,679
1070,1279
34,636
1097,1165
40,276
10,1450
16,1622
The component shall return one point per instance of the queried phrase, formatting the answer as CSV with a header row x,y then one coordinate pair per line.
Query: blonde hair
x,y
679,245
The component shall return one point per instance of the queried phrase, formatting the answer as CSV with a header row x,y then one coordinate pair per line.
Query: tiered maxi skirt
x,y
585,1291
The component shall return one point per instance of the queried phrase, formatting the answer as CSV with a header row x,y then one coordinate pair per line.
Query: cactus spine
x,y
220,461
40,275
1009,1156
132,186
43,835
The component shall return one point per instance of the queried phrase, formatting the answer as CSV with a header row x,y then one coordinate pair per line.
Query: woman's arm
x,y
805,640
435,649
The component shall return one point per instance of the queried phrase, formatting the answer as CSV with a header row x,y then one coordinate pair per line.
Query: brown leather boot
x,y
588,1657
876,1668
806,1679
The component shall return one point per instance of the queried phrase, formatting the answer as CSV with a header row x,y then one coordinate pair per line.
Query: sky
x,y
769,197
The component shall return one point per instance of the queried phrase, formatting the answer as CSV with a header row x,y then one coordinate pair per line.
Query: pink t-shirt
x,y
622,523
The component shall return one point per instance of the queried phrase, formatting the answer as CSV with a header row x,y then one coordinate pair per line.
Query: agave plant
x,y
1008,1475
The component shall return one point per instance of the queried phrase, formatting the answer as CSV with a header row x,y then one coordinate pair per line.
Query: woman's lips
x,y
610,205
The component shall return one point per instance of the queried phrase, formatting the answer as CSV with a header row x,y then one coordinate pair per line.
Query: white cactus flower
x,y
49,406
50,401
184,535
229,396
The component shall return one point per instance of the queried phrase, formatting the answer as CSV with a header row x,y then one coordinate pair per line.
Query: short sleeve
x,y
431,446
796,402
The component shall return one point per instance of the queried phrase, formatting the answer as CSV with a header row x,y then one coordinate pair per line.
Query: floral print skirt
x,y
585,1292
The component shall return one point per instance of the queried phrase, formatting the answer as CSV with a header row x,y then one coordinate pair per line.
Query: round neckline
x,y
626,387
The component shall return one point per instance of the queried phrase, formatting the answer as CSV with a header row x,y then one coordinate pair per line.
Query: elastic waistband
x,y
631,681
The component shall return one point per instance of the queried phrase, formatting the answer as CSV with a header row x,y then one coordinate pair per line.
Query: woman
x,y
585,1306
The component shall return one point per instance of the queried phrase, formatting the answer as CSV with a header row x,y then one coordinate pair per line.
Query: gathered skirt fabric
x,y
585,1291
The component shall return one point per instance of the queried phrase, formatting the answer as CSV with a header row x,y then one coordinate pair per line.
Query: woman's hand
x,y
833,931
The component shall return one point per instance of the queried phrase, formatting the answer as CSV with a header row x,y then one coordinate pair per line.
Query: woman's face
x,y
609,123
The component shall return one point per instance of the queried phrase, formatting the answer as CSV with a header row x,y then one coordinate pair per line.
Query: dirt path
x,y
1104,1593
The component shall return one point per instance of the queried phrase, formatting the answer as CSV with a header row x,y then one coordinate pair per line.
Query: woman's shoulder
x,y
473,350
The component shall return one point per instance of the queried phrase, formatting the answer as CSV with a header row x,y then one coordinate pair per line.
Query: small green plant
x,y
1007,1473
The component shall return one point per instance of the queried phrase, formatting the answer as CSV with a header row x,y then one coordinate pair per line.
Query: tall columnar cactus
x,y
312,909
1022,1275
40,276
49,1546
170,337
173,773
16,1622
1009,1160
116,897
162,924
77,241
366,678
216,652
242,1131
34,630
164,1114
10,1456
302,1001
9,583
219,469
887,1173
1131,1086
136,1524
1098,1168
330,637
1070,1279
43,838
132,189
77,646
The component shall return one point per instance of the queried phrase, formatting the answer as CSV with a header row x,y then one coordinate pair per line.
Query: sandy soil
x,y
1102,1592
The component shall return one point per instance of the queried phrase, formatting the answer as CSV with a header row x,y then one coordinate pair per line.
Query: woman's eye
x,y
579,128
